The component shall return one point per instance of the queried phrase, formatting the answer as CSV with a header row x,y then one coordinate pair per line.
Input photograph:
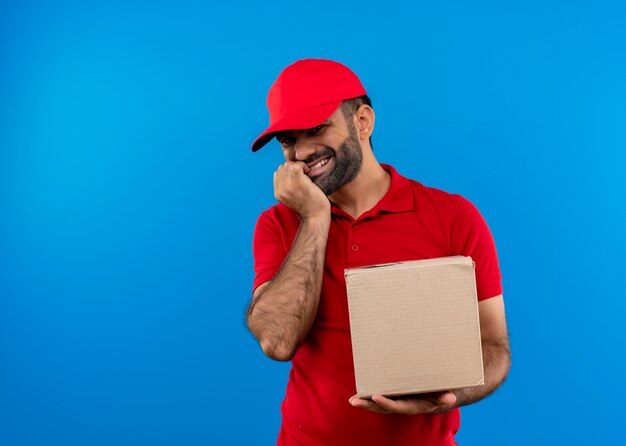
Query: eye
x,y
315,130
285,140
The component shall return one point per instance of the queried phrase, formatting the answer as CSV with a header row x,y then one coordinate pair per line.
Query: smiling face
x,y
331,150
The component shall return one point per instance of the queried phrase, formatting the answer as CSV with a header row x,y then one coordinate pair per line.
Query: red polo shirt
x,y
410,222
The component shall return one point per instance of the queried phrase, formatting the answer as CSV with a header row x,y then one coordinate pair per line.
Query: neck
x,y
367,189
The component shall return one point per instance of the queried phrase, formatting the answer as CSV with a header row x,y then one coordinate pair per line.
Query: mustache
x,y
322,153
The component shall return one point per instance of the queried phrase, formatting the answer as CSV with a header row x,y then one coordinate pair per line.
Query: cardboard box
x,y
415,326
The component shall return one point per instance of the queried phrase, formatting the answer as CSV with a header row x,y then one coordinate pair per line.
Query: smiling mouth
x,y
318,167
319,164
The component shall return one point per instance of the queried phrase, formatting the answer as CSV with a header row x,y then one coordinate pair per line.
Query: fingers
x,y
305,168
299,166
367,404
447,399
290,174
294,189
291,169
410,405
296,165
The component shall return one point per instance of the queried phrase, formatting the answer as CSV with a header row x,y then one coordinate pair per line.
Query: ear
x,y
364,121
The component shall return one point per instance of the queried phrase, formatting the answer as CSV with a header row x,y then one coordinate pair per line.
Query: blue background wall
x,y
128,196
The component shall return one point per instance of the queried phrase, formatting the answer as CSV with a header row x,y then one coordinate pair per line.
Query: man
x,y
339,208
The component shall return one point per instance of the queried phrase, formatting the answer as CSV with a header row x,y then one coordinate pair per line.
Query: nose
x,y
303,148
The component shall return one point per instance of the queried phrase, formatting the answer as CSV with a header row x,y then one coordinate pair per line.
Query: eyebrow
x,y
282,133
326,122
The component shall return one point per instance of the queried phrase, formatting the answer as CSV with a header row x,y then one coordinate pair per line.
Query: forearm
x,y
281,316
496,364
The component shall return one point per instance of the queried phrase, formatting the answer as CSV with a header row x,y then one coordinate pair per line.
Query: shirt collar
x,y
398,198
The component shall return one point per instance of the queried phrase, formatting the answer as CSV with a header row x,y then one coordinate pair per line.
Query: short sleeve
x,y
267,249
471,237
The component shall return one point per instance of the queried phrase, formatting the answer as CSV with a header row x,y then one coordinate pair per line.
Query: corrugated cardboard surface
x,y
415,326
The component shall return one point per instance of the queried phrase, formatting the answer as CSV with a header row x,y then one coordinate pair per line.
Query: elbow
x,y
507,365
273,344
277,352
501,363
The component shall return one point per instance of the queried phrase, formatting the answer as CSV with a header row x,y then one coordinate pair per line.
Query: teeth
x,y
320,164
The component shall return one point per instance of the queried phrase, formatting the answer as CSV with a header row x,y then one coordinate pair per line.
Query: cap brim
x,y
298,120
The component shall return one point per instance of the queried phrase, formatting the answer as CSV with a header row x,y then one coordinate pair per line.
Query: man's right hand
x,y
294,189
282,312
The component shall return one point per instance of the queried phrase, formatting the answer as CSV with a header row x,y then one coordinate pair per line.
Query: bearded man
x,y
340,208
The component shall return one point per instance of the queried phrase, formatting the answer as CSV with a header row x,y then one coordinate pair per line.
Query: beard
x,y
348,161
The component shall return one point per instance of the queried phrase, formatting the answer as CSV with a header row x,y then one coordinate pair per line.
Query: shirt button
x,y
355,248
355,227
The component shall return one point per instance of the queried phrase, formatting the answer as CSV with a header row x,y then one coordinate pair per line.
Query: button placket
x,y
353,240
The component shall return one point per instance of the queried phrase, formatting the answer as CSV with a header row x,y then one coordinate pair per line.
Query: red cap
x,y
305,94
